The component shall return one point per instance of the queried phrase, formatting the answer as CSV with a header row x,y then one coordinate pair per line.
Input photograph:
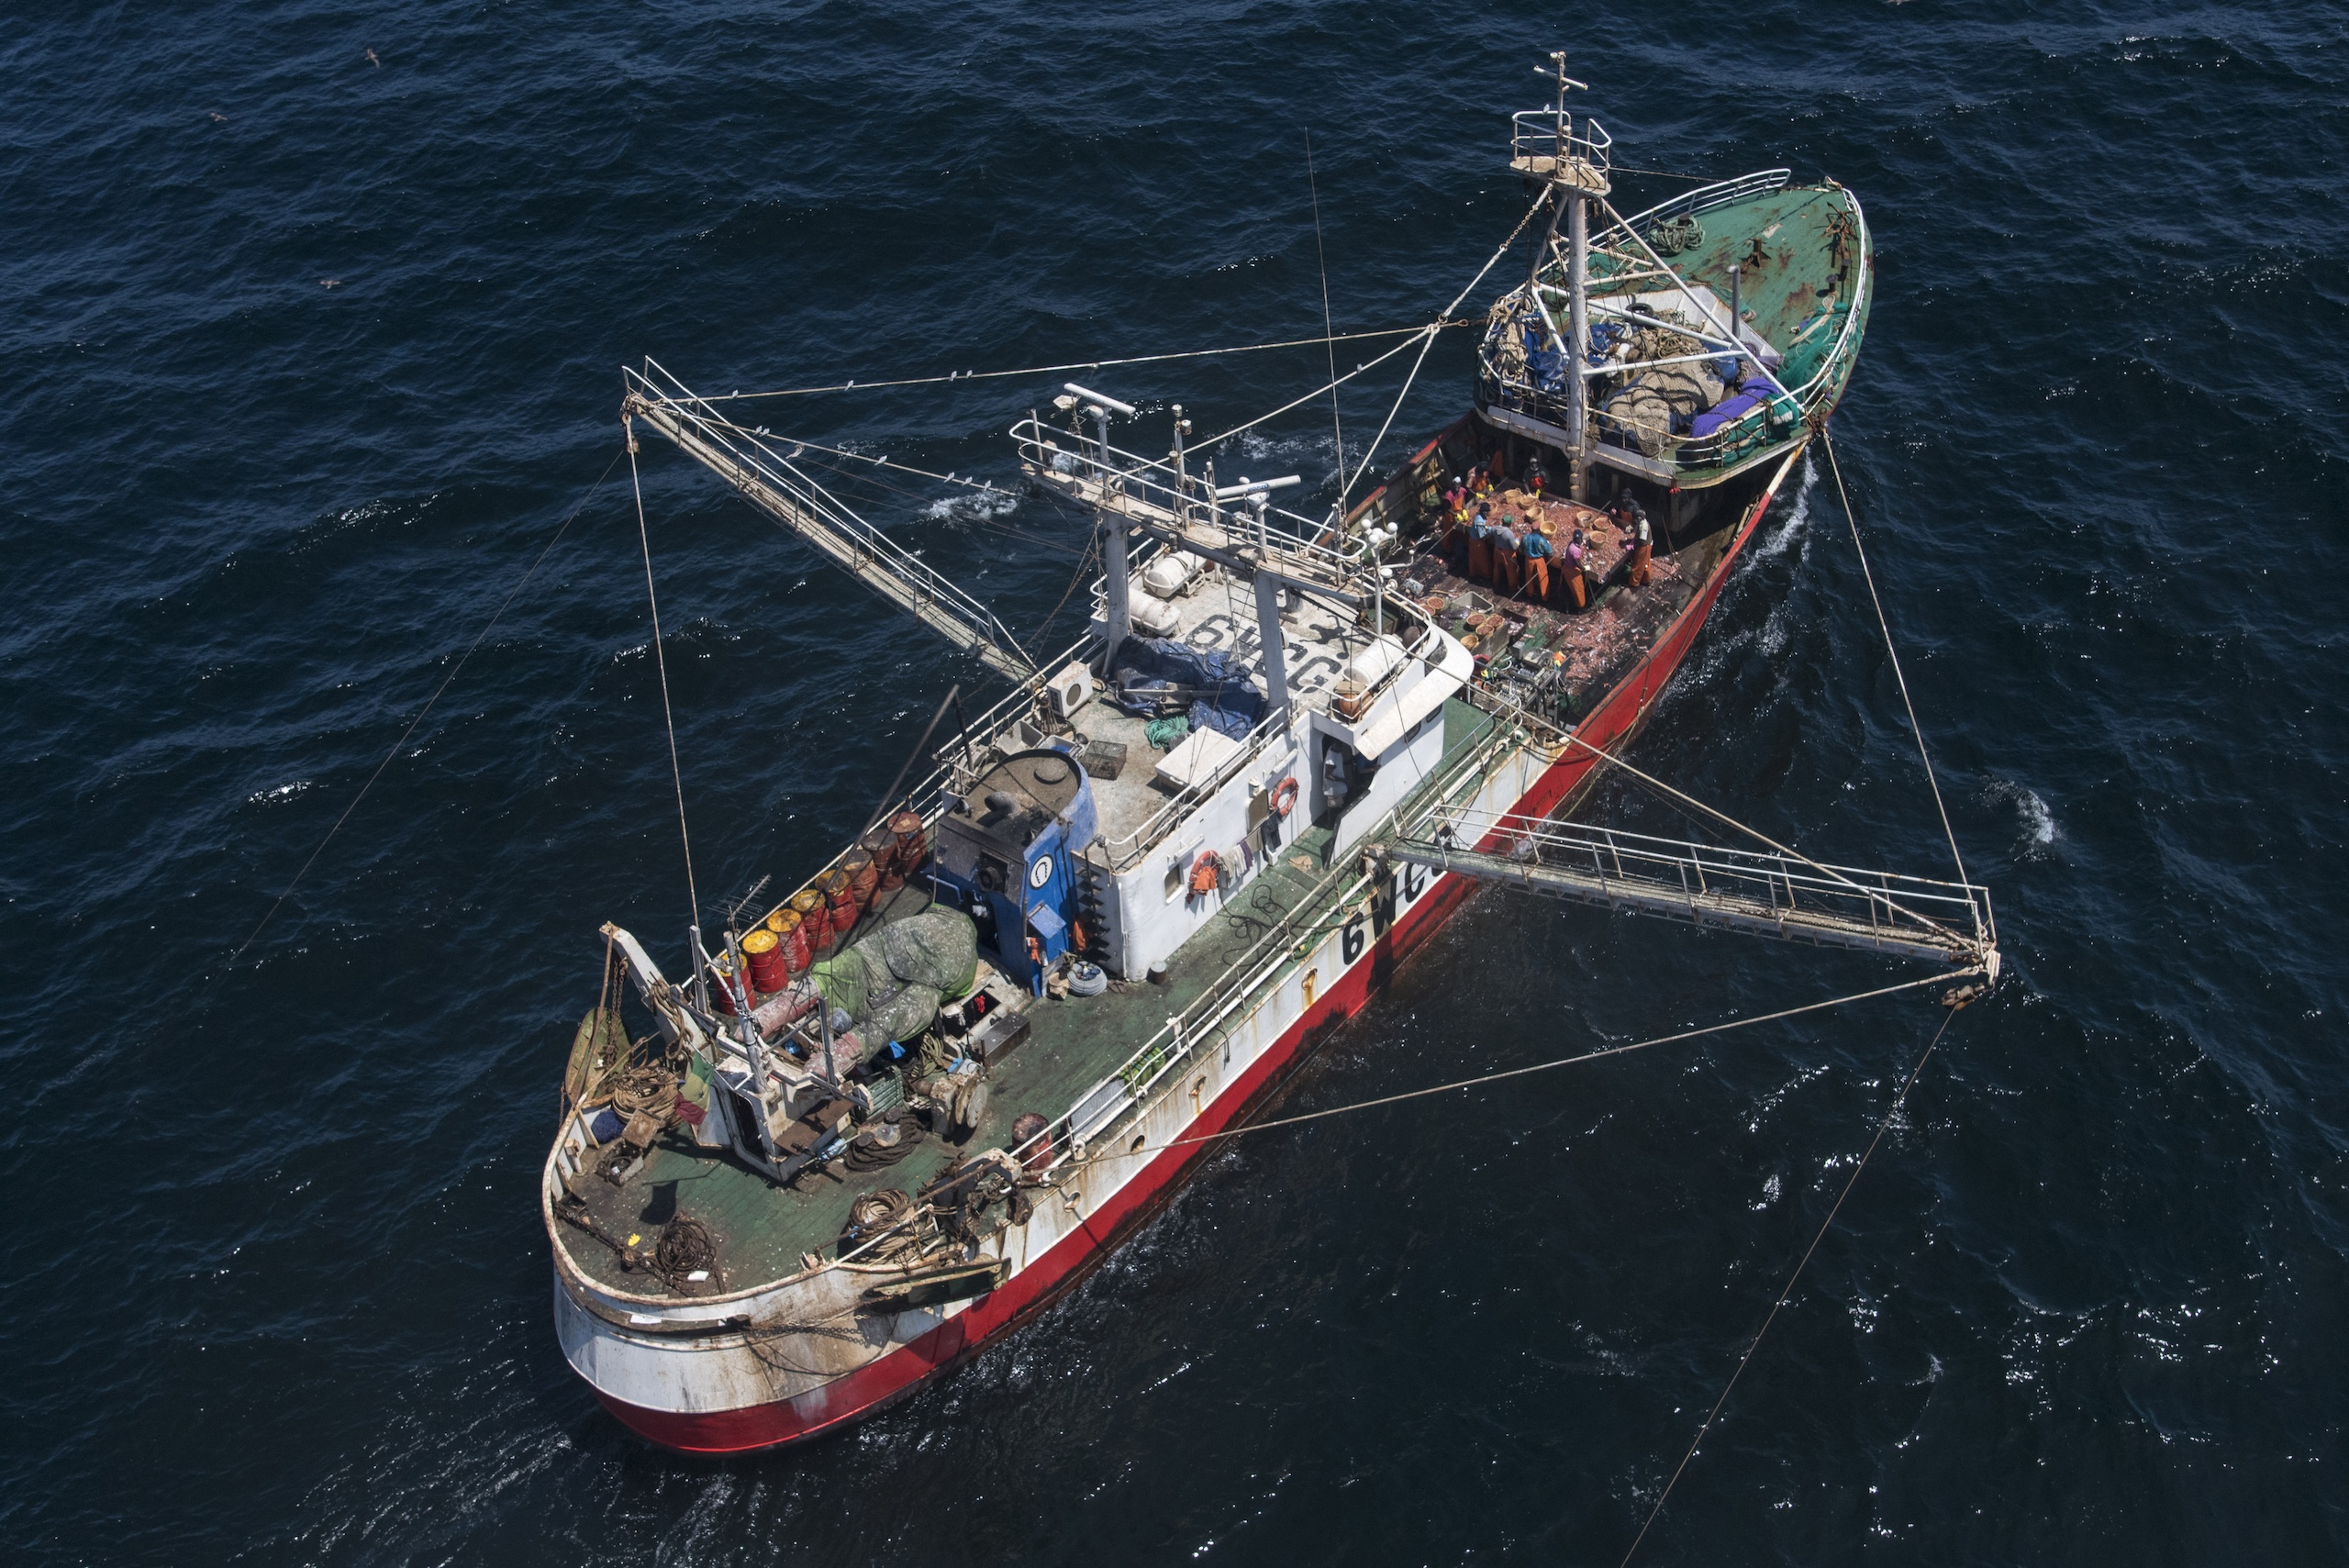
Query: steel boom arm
x,y
776,486
1764,895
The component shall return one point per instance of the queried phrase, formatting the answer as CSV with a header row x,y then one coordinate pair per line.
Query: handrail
x,y
1182,1036
1040,446
1533,128
1538,839
771,479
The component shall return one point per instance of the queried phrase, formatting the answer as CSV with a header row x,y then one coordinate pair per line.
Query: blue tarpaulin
x,y
1157,674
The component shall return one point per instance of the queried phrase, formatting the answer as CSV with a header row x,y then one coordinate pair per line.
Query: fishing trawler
x,y
876,1123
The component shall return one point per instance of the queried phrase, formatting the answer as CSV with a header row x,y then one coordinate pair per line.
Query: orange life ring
x,y
1285,796
1205,872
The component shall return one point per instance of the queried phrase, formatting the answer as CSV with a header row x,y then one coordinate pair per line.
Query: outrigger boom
x,y
776,486
1737,890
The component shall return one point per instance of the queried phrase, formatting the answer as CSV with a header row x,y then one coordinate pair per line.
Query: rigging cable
x,y
1428,341
714,421
1079,365
1710,1415
1321,259
454,672
661,662
1890,651
1085,564
1943,978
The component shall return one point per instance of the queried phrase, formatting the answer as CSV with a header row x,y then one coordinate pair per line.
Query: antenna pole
x,y
1113,530
1182,473
1577,334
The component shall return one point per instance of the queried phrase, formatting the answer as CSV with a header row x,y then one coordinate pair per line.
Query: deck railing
x,y
1758,430
1124,1095
1545,133
1181,500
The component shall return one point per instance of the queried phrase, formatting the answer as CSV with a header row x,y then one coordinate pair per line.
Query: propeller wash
x,y
887,1120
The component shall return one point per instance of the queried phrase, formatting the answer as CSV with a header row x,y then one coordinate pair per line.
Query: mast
x,y
1576,169
1112,527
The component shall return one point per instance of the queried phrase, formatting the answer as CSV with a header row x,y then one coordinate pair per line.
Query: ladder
x,y
776,486
1704,884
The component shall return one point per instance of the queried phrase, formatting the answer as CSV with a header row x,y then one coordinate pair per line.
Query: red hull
x,y
891,1377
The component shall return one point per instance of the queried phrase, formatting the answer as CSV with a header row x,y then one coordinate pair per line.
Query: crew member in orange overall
x,y
1536,550
1574,574
1480,547
1632,519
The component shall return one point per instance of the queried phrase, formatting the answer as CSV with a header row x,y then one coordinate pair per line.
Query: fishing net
x,y
902,1014
598,1055
938,949
1647,408
846,981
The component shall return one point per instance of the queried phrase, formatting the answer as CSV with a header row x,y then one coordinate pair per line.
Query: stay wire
x,y
1073,365
1085,564
661,662
1346,486
1710,1415
1892,652
1427,334
1329,333
455,670
1482,1079
1021,1151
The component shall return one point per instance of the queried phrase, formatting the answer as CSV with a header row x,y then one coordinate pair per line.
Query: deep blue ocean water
x,y
309,354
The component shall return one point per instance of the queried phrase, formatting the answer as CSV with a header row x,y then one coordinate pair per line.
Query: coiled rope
x,y
646,1090
686,1248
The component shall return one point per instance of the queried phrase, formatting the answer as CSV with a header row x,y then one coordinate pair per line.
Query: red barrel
x,y
762,952
840,904
882,845
793,936
912,842
809,907
863,877
1028,1138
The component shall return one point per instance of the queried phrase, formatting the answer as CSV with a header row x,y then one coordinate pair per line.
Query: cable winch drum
x,y
763,954
1028,1136
912,842
882,845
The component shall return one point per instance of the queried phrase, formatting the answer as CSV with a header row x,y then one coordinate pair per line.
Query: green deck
x,y
1073,1044
764,1229
1796,280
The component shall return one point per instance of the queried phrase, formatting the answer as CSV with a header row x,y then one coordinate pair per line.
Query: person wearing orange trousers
x,y
1536,551
1480,544
1632,519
